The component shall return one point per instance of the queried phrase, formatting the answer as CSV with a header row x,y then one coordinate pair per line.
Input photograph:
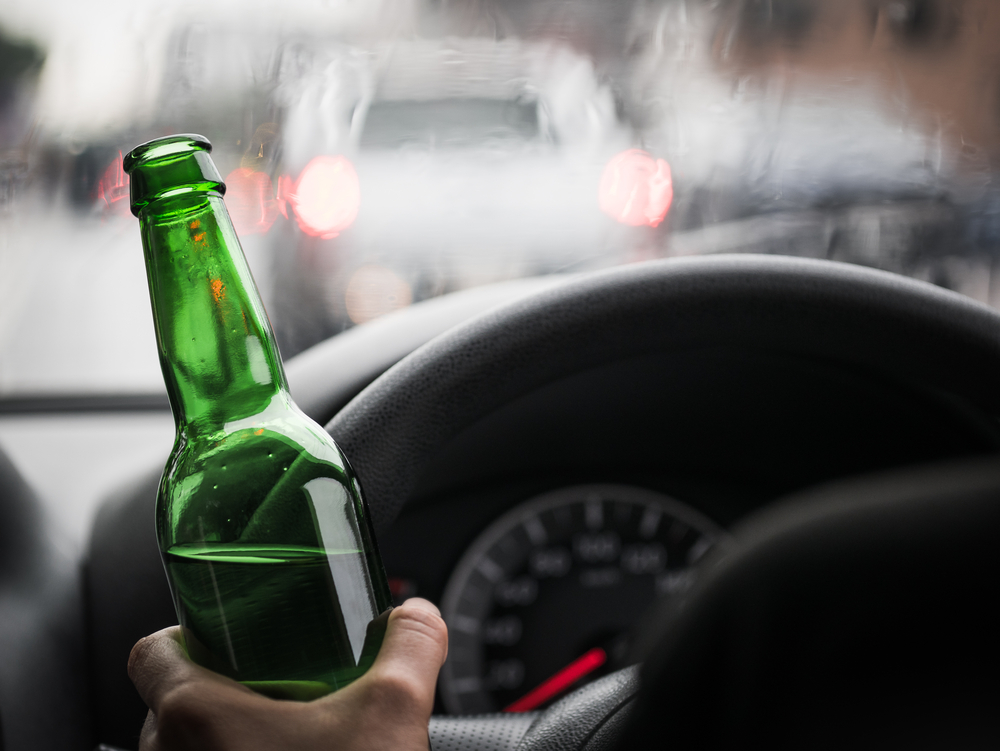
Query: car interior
x,y
648,375
662,336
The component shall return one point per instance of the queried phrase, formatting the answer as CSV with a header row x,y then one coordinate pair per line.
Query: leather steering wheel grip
x,y
820,309
590,719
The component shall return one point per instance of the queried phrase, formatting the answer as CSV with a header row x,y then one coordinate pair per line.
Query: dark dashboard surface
x,y
723,431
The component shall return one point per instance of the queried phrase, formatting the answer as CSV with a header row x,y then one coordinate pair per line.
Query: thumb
x,y
413,650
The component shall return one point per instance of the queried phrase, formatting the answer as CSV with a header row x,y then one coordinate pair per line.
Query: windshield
x,y
380,154
448,123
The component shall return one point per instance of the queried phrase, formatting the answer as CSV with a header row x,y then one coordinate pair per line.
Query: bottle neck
x,y
219,358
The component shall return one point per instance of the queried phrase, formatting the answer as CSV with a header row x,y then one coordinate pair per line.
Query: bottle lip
x,y
170,166
160,148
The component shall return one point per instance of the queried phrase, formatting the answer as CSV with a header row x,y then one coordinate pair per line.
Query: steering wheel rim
x,y
822,309
860,317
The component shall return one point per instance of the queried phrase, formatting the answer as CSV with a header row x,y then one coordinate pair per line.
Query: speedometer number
x,y
644,558
505,630
597,547
505,674
550,562
520,591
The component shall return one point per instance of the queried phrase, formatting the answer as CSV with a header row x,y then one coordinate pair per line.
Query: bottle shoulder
x,y
225,484
280,427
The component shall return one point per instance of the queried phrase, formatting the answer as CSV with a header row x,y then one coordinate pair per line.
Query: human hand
x,y
192,708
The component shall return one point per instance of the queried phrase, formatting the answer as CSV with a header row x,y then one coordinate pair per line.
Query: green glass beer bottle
x,y
265,537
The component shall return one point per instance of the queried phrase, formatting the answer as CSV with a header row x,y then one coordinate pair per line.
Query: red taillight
x,y
636,189
250,202
113,188
325,198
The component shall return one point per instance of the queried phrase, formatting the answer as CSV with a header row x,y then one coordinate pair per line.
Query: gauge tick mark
x,y
536,532
650,522
490,569
594,514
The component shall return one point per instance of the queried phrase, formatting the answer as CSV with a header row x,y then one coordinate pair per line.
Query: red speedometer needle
x,y
560,681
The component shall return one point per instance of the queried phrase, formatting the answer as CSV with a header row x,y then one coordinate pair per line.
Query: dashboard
x,y
549,526
547,530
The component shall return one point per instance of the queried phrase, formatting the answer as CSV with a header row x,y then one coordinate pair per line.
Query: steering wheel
x,y
868,321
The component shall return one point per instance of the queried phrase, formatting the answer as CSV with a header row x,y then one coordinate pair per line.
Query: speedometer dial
x,y
544,598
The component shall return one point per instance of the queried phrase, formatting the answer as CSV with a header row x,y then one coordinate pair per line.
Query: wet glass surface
x,y
379,154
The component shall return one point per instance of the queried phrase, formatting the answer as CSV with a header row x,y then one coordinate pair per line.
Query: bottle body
x,y
273,570
263,530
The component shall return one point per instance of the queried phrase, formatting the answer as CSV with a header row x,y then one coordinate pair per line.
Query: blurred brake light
x,y
249,200
113,187
326,197
636,189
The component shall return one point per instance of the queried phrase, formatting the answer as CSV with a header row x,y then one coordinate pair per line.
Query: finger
x,y
414,648
147,738
416,632
158,664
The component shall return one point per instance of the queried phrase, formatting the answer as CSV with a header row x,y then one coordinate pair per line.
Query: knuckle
x,y
139,655
178,706
396,691
183,720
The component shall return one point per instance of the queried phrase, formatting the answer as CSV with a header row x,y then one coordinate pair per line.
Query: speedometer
x,y
544,598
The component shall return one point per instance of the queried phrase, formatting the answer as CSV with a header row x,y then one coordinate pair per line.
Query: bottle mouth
x,y
171,166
